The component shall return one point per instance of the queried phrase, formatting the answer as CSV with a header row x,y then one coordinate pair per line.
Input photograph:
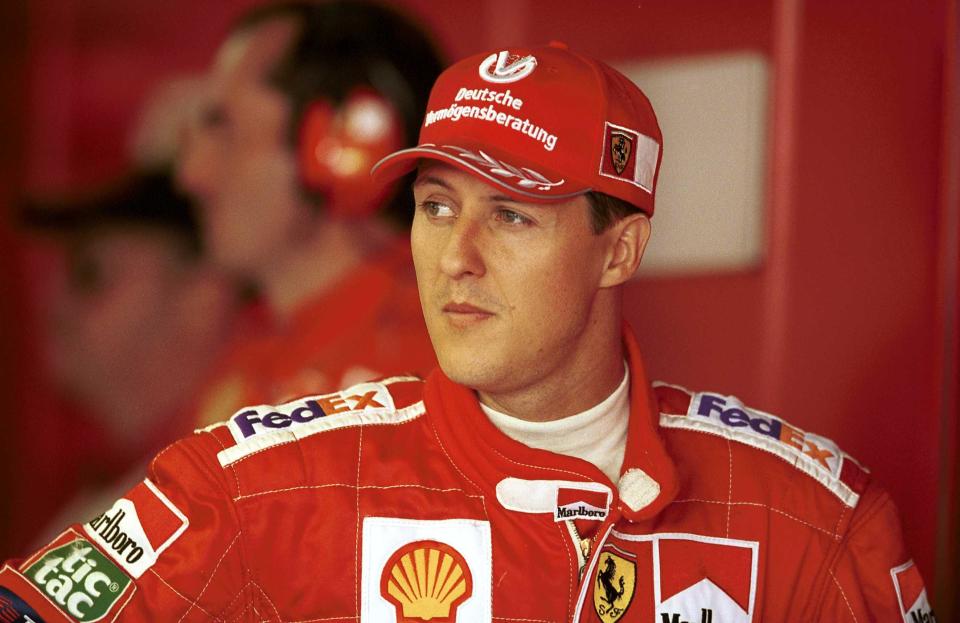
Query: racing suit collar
x,y
648,480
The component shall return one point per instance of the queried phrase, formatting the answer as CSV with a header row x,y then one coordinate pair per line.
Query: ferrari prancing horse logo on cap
x,y
621,144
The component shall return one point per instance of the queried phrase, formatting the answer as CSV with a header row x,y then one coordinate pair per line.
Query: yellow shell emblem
x,y
426,581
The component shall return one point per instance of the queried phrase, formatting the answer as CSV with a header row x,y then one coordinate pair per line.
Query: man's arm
x,y
874,578
170,545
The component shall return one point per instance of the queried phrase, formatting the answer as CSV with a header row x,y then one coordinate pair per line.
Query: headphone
x,y
338,145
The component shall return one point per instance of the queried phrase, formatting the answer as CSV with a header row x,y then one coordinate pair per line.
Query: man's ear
x,y
627,240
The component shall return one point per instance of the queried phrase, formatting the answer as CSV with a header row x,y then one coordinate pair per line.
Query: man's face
x,y
507,288
237,160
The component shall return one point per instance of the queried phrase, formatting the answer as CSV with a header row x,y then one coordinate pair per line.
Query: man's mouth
x,y
463,314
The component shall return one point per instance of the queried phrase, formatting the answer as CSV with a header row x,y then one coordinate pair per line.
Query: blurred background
x,y
805,250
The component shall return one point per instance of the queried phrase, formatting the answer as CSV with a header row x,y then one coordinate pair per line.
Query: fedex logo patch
x,y
753,423
911,594
138,528
254,421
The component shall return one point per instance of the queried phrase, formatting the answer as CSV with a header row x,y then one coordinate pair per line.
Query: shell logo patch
x,y
416,570
615,584
426,581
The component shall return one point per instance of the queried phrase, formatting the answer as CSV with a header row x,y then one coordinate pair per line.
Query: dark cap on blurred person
x,y
143,199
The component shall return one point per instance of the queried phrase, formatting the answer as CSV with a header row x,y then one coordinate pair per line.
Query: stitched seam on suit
x,y
844,595
758,504
267,597
443,448
179,594
233,470
234,600
565,538
552,469
356,553
210,577
352,486
729,485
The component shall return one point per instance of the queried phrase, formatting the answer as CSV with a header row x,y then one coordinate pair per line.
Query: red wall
x,y
838,331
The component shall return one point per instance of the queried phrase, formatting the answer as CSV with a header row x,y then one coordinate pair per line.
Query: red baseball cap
x,y
543,123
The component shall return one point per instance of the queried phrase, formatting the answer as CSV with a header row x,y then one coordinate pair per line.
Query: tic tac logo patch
x,y
629,156
581,504
138,528
425,570
615,584
426,581
13,609
505,67
911,594
79,579
704,579
253,421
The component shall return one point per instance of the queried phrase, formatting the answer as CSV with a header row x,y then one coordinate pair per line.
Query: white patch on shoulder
x,y
726,416
415,569
346,419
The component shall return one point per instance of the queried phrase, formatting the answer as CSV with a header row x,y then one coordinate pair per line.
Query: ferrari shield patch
x,y
615,584
621,144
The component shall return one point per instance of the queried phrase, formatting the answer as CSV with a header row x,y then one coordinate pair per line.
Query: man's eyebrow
x,y
430,179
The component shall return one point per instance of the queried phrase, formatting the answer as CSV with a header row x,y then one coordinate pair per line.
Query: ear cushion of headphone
x,y
339,146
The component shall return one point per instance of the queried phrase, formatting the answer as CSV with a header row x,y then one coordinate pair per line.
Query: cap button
x,y
558,44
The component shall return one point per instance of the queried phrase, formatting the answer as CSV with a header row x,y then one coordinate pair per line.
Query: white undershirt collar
x,y
597,435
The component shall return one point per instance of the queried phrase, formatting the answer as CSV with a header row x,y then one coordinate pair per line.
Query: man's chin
x,y
467,369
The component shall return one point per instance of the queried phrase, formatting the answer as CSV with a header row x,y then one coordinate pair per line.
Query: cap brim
x,y
521,182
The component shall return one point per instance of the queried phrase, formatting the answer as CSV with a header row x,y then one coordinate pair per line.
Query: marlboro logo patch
x,y
911,594
705,579
138,528
581,504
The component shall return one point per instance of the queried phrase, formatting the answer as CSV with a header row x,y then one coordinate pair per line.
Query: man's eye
x,y
435,209
512,218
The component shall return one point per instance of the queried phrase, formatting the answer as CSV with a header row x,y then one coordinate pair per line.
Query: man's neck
x,y
591,373
317,261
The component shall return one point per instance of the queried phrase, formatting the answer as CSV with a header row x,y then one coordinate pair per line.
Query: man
x,y
129,298
304,98
535,476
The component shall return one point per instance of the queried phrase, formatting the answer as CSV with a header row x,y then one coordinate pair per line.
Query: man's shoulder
x,y
770,442
268,431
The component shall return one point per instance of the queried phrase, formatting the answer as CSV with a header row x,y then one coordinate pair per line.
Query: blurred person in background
x,y
303,98
133,321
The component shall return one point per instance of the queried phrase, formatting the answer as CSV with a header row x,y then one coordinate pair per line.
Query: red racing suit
x,y
327,344
398,501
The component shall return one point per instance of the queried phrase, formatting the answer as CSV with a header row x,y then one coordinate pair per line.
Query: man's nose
x,y
197,165
463,250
